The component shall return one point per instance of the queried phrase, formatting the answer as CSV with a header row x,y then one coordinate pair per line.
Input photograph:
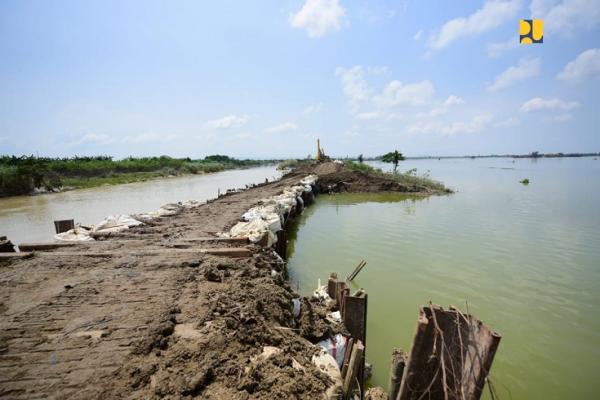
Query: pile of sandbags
x,y
117,223
261,223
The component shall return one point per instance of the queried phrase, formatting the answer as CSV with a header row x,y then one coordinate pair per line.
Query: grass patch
x,y
409,178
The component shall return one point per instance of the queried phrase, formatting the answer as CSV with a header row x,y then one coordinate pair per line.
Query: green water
x,y
526,259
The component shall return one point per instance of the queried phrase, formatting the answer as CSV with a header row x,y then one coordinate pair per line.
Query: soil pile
x,y
337,177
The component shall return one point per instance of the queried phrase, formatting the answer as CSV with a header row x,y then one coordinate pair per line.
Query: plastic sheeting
x,y
336,347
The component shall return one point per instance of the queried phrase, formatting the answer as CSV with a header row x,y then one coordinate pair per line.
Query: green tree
x,y
393,157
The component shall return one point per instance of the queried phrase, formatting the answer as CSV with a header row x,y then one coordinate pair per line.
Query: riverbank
x,y
149,312
37,175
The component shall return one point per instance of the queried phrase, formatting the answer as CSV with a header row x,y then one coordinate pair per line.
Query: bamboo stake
x,y
358,268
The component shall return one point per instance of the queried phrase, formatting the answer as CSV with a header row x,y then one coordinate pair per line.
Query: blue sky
x,y
266,78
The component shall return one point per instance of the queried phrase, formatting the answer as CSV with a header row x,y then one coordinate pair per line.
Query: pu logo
x,y
531,31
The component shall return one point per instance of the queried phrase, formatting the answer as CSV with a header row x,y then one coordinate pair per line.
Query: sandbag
x,y
74,235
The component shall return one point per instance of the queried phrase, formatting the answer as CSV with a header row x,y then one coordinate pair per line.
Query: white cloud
x,y
283,127
398,94
585,65
443,108
490,16
228,121
453,101
94,138
313,108
496,49
319,17
527,68
566,17
538,104
354,85
476,124
418,35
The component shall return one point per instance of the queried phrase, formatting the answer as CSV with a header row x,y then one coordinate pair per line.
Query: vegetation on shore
x,y
26,174
409,178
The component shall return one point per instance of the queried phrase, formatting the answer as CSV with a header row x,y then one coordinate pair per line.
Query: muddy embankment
x,y
148,313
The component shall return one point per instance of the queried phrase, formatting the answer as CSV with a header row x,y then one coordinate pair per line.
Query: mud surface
x,y
177,323
335,177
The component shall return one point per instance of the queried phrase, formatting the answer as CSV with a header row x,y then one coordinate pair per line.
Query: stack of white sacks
x,y
117,223
267,218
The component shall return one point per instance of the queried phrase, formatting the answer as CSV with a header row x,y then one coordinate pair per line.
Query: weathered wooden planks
x,y
45,246
224,252
451,356
355,367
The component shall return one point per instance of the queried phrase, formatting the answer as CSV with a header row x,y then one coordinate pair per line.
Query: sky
x,y
264,79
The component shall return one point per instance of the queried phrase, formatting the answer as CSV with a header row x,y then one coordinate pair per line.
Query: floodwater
x,y
30,218
526,260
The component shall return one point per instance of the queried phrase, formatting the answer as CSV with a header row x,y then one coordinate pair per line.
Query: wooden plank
x,y
223,252
355,316
354,369
45,246
340,288
64,225
15,256
355,319
331,284
396,371
451,356
229,240
347,354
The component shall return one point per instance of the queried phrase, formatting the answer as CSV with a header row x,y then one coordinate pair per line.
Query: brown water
x,y
30,218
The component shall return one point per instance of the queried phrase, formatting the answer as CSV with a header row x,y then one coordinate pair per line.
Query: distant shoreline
x,y
24,176
532,155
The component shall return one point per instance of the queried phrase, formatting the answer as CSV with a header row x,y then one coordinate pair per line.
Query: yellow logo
x,y
531,31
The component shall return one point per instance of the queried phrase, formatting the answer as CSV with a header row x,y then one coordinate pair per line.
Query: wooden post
x,y
331,284
347,354
396,371
355,367
45,246
355,320
451,356
64,225
340,289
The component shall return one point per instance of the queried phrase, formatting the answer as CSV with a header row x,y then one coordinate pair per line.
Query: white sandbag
x,y
309,180
191,204
74,235
169,209
334,316
335,347
296,306
116,223
254,230
327,364
320,293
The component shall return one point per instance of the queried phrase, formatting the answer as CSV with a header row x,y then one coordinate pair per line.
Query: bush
x,y
21,175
